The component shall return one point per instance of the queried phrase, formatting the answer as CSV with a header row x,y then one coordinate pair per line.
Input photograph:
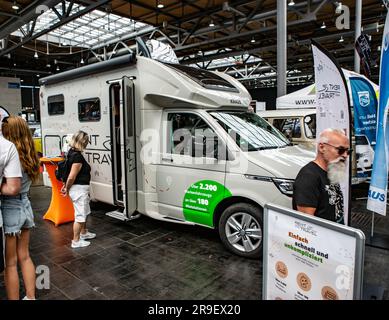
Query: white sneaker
x,y
87,235
27,298
80,244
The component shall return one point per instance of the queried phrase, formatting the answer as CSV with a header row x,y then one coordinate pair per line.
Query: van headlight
x,y
284,185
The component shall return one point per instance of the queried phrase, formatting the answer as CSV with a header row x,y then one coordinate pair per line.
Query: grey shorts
x,y
17,214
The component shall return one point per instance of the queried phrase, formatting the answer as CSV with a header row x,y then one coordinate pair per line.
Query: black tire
x,y
256,221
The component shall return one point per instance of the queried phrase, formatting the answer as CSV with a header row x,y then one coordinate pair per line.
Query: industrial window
x,y
89,110
56,104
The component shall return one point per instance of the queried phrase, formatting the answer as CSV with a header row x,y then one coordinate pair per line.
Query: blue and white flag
x,y
377,196
365,124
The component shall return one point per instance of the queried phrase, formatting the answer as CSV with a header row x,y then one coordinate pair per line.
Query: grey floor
x,y
148,259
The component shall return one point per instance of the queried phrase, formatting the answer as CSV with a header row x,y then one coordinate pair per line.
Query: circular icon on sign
x,y
281,269
304,282
329,294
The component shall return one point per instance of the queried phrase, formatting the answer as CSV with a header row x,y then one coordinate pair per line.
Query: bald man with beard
x,y
316,189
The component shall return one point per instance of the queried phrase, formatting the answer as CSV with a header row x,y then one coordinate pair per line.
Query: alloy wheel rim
x,y
243,232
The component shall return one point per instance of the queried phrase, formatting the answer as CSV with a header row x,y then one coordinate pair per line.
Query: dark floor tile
x,y
99,279
55,296
113,291
62,278
124,236
147,238
93,295
105,241
64,257
76,289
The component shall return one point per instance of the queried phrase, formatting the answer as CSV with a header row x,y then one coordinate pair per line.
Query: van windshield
x,y
250,131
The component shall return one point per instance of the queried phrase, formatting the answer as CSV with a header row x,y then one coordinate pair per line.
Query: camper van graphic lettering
x,y
201,199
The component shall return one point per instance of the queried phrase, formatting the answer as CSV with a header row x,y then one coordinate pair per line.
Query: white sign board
x,y
308,258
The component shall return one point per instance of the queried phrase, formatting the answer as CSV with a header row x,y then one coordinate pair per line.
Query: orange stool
x,y
61,208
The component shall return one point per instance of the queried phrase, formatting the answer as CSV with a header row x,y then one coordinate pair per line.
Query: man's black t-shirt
x,y
312,188
83,176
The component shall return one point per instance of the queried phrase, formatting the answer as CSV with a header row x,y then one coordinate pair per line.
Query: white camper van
x,y
143,117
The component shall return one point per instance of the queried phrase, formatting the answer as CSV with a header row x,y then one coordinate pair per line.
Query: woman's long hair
x,y
16,130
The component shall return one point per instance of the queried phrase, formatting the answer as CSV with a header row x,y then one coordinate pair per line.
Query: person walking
x,y
18,217
316,190
77,187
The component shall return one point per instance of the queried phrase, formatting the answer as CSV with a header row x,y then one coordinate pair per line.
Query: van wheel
x,y
240,230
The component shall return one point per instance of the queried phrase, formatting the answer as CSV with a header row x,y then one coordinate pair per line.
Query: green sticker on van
x,y
201,199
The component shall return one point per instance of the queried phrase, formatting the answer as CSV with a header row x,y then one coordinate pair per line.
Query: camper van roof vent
x,y
204,78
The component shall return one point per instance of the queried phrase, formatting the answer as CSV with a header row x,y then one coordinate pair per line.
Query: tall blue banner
x,y
365,124
377,196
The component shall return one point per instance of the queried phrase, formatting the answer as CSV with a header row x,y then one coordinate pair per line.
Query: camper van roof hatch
x,y
204,78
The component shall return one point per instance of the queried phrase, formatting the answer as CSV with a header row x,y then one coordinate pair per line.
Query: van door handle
x,y
167,159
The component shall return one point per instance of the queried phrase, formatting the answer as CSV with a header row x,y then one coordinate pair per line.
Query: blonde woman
x,y
77,187
18,217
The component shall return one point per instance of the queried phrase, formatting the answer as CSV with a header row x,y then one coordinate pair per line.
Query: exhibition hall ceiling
x,y
39,37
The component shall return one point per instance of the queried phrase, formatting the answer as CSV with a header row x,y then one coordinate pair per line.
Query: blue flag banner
x,y
365,124
377,196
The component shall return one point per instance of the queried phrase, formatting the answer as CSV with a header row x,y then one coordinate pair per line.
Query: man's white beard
x,y
337,171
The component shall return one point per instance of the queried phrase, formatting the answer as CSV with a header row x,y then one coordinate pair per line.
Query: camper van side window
x,y
89,110
190,135
56,104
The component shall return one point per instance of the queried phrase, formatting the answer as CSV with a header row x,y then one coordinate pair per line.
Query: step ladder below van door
x,y
119,214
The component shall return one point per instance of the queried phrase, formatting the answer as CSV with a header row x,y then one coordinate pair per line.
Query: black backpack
x,y
63,170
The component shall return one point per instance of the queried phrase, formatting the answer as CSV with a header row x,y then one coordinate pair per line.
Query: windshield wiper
x,y
267,148
271,147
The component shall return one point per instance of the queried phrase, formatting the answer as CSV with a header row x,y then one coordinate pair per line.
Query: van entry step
x,y
117,214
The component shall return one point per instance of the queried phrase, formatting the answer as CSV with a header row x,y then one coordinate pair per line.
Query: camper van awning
x,y
88,70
